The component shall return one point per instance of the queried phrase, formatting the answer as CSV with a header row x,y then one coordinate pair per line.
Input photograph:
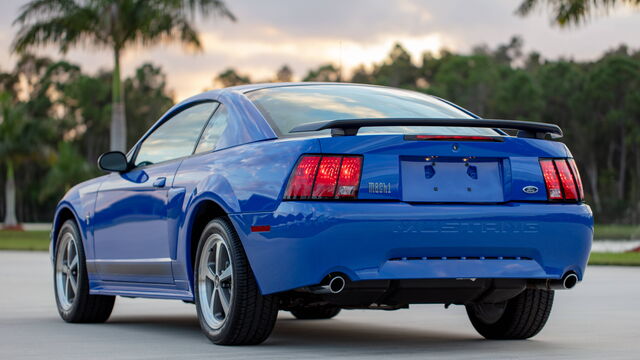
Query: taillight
x,y
562,179
551,180
576,176
325,177
301,181
566,178
349,180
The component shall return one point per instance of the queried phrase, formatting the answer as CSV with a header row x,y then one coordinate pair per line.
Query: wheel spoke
x,y
210,273
68,257
74,262
219,258
224,301
226,273
74,284
212,302
67,289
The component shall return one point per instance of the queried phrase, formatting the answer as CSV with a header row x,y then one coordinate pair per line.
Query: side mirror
x,y
113,161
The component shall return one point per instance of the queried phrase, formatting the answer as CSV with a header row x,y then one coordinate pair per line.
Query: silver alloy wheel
x,y
215,281
67,270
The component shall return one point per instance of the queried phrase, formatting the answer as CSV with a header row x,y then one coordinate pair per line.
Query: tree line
x,y
56,118
55,122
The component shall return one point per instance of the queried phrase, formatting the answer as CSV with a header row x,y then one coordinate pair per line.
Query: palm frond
x,y
113,23
211,7
64,26
572,12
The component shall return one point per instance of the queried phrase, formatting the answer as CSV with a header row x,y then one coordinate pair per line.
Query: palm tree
x,y
114,25
20,137
573,12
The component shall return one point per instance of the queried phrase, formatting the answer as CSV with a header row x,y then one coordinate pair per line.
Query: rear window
x,y
290,106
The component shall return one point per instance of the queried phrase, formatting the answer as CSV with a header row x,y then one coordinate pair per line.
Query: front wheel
x,y
230,308
71,284
519,318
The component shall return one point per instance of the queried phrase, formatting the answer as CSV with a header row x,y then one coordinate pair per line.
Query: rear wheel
x,y
315,312
230,308
519,318
71,284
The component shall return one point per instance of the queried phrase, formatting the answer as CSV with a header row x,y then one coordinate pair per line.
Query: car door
x,y
132,235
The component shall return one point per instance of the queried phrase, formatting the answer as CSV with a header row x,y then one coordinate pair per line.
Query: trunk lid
x,y
398,167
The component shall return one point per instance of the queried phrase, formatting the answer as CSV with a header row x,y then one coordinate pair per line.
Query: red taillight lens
x,y
566,178
301,181
576,176
551,180
561,179
349,180
325,177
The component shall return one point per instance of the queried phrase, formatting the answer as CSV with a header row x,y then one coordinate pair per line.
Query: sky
x,y
306,34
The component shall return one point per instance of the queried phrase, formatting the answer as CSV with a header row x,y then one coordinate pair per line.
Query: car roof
x,y
214,94
252,87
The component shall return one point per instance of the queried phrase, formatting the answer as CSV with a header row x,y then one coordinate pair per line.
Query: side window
x,y
176,137
216,126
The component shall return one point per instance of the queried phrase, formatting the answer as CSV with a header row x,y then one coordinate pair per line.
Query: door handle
x,y
160,182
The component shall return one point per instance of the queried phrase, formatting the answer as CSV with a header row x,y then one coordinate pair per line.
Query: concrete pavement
x,y
600,318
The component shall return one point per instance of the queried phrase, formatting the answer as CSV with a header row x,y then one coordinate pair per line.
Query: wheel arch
x,y
204,211
63,213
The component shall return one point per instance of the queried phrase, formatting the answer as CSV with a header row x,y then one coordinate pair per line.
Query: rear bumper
x,y
390,241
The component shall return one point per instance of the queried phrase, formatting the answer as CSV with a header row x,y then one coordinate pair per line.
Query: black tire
x,y
315,312
84,308
519,318
251,316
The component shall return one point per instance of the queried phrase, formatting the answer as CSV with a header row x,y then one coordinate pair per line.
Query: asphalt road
x,y
600,318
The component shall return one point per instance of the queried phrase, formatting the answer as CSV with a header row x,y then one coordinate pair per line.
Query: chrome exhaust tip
x,y
569,281
332,284
337,284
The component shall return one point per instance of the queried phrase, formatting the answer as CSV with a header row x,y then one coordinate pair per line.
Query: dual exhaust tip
x,y
568,281
337,284
334,284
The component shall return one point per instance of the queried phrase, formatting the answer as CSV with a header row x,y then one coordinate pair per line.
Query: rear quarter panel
x,y
247,178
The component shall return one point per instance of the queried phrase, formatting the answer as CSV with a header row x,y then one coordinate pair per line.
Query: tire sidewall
x,y
70,227
524,316
217,227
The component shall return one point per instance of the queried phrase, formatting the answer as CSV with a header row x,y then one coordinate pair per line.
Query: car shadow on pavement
x,y
175,325
338,332
336,335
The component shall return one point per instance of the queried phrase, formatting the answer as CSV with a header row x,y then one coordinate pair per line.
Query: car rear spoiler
x,y
350,127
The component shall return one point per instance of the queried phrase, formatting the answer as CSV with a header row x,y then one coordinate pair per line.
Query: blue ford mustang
x,y
317,197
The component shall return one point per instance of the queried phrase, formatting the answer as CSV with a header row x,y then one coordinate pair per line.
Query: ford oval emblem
x,y
530,189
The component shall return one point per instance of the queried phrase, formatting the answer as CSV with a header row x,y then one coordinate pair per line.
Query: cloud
x,y
306,34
